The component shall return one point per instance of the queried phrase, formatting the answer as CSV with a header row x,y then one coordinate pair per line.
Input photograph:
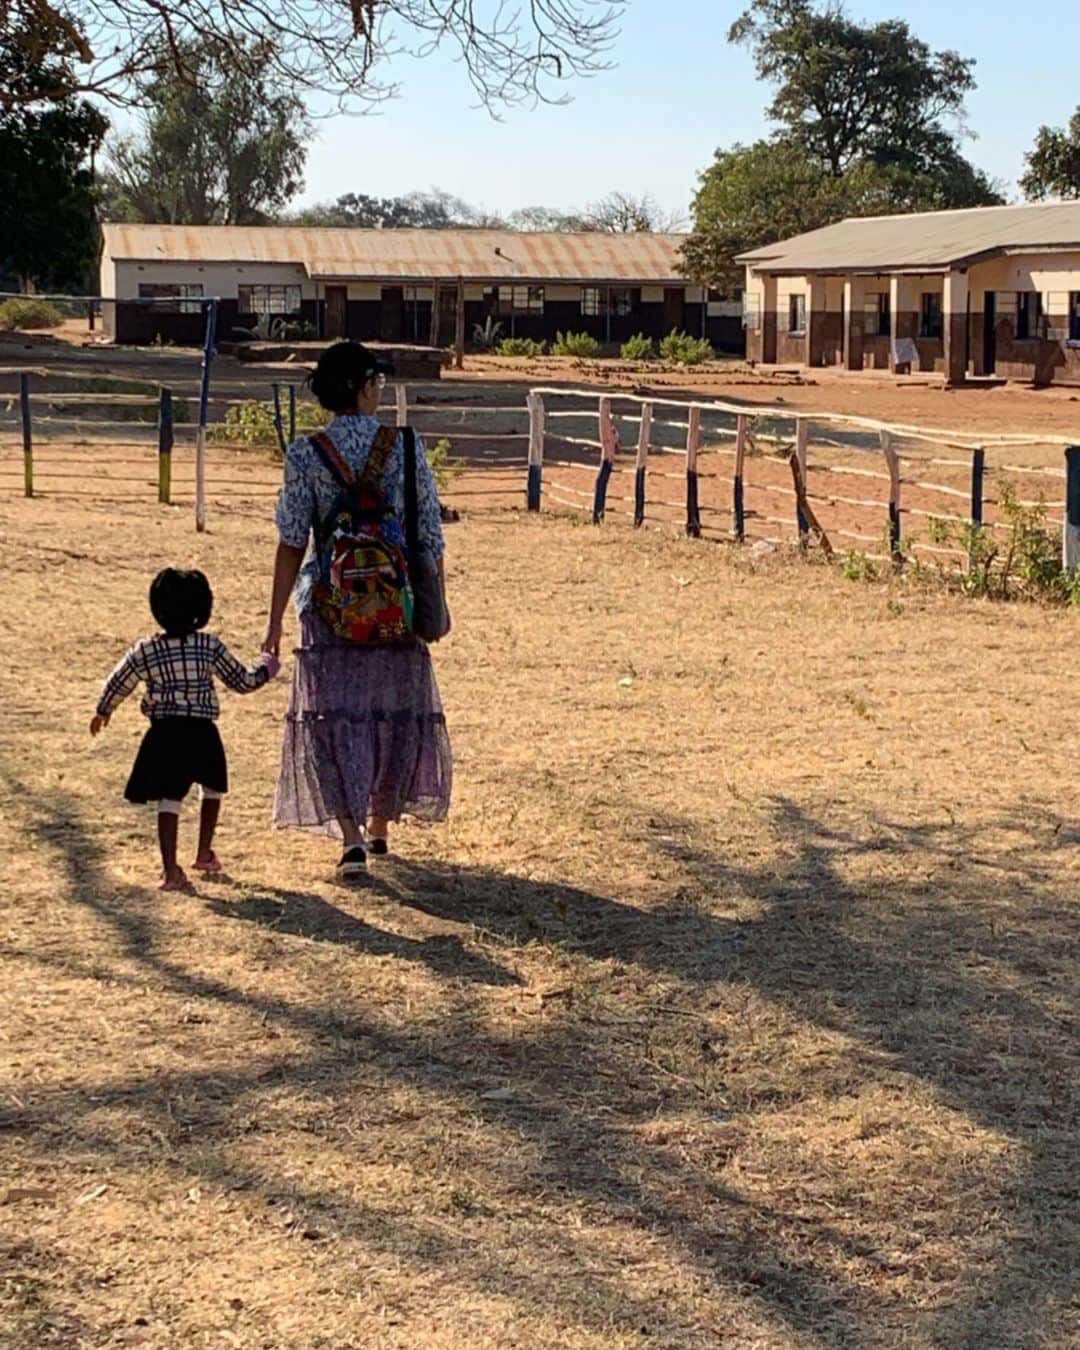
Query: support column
x,y
954,308
769,322
902,319
815,320
854,322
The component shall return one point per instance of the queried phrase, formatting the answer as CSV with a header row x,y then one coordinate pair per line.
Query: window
x,y
877,320
172,290
796,314
269,299
521,299
619,300
1074,317
1029,310
931,323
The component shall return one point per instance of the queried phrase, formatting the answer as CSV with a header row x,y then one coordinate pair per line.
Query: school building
x,y
989,291
385,284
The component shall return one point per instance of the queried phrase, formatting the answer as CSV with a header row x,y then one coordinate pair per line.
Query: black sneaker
x,y
353,863
378,846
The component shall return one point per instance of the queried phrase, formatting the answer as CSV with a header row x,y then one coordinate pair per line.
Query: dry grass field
x,y
734,1007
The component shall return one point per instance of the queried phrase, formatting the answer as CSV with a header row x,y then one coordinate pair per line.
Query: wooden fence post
x,y
165,447
401,405
978,470
892,460
27,435
459,326
644,436
741,431
607,461
536,452
802,434
1070,543
279,425
693,443
292,413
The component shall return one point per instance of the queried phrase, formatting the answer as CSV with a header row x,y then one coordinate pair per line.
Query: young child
x,y
182,746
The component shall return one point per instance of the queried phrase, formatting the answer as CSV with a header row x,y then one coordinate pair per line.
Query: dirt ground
x,y
734,1006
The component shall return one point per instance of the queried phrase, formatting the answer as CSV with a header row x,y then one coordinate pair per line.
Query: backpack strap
x,y
333,460
382,447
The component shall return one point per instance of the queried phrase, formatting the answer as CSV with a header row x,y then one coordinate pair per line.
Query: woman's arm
x,y
287,563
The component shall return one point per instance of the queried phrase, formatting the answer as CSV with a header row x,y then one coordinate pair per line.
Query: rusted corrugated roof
x,y
476,255
937,239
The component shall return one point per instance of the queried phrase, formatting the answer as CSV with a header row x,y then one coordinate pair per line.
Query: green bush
x,y
443,465
516,346
575,344
685,350
252,422
639,348
28,313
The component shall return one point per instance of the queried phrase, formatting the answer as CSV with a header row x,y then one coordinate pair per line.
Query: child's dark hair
x,y
181,602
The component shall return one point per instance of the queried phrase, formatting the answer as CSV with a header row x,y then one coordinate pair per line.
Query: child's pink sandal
x,y
211,864
181,883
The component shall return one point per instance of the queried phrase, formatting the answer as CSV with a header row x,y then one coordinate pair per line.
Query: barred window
x,y
617,300
178,291
877,319
931,319
1029,310
797,314
1074,316
269,299
521,299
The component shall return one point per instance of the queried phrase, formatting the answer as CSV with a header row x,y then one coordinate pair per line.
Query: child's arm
x,y
123,681
244,679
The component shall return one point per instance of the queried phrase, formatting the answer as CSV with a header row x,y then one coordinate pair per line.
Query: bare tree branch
x,y
334,48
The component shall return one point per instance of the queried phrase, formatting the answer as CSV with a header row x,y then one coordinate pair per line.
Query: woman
x,y
365,736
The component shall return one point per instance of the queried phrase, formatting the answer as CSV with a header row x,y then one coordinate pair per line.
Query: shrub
x,y
639,348
516,346
486,335
686,350
252,422
28,313
575,344
443,465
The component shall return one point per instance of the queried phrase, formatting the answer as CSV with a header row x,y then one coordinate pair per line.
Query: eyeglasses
x,y
380,381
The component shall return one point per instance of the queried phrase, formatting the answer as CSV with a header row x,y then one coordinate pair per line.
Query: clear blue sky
x,y
676,92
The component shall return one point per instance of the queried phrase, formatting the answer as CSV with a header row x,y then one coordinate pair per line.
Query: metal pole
x,y
27,435
204,408
279,425
1070,543
165,445
292,413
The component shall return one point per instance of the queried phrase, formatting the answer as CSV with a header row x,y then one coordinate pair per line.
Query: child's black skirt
x,y
176,753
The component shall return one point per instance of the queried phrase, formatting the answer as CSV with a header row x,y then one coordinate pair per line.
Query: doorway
x,y
337,311
989,361
674,308
392,314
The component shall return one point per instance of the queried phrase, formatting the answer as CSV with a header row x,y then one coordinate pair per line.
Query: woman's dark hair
x,y
342,372
181,602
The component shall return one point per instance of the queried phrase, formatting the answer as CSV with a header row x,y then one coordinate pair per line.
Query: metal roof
x,y
933,240
420,255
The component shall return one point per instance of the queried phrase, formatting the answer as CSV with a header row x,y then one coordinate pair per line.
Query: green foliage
x,y
866,117
1053,165
638,348
48,232
27,314
252,422
443,464
575,344
686,350
521,346
218,144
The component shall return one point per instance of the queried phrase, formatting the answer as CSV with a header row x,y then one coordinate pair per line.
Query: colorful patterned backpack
x,y
362,591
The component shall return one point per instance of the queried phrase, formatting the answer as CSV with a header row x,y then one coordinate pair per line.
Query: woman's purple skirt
x,y
364,735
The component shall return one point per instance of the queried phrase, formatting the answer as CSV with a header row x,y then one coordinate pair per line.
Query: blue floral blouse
x,y
309,488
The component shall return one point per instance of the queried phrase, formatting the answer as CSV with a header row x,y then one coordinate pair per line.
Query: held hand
x,y
271,643
98,725
271,662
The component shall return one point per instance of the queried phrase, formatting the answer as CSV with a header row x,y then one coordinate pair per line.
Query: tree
x,y
328,47
432,210
223,150
848,91
1053,166
623,213
869,123
48,230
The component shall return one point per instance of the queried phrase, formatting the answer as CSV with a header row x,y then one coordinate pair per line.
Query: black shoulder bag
x,y
431,615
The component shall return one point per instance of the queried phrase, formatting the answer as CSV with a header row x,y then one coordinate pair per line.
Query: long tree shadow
x,y
803,951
